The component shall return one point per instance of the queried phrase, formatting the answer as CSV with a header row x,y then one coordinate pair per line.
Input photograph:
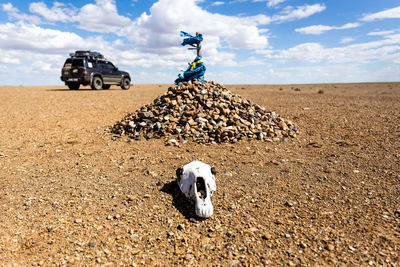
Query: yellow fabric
x,y
194,64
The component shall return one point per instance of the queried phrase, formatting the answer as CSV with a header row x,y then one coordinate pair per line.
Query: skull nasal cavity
x,y
201,188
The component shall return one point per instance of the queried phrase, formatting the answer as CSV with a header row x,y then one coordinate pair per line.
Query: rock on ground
x,y
205,112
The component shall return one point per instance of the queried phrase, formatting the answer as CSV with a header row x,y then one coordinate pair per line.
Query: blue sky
x,y
245,41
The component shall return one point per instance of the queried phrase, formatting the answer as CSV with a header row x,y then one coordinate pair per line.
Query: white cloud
x,y
387,49
319,29
350,26
260,19
217,3
314,29
151,42
377,33
161,26
272,3
59,12
300,12
147,77
153,38
331,73
346,40
15,14
392,13
8,57
29,37
390,73
251,61
101,17
230,76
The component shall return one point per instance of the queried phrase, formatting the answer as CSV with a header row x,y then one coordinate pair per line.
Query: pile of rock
x,y
205,112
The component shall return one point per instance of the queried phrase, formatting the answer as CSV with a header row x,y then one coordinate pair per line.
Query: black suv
x,y
90,68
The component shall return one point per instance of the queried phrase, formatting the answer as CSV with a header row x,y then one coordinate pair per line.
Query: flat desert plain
x,y
73,194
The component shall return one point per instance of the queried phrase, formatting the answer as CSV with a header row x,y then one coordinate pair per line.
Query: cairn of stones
x,y
204,112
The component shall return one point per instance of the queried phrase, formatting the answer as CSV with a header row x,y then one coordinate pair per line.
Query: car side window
x,y
100,65
91,64
110,66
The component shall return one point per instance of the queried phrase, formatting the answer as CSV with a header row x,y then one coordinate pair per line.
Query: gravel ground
x,y
72,194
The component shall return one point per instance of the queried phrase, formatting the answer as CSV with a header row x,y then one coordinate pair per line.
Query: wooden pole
x,y
198,46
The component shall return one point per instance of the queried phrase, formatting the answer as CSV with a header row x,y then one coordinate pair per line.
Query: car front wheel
x,y
97,83
126,83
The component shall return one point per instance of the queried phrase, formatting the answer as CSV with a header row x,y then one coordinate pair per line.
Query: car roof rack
x,y
87,54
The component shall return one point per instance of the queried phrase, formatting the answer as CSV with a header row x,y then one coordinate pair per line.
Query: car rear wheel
x,y
126,83
106,86
73,86
97,83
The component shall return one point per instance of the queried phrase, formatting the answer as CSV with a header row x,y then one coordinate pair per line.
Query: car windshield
x,y
77,63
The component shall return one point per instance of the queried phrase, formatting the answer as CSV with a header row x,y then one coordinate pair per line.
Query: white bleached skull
x,y
197,182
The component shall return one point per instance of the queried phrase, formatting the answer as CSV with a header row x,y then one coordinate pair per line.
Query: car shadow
x,y
179,201
82,89
66,89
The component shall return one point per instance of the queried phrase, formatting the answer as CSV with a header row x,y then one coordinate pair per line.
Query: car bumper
x,y
81,80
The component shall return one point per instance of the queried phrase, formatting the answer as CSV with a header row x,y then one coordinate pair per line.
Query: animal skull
x,y
197,182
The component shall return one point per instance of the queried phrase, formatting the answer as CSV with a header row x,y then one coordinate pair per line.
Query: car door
x,y
115,74
105,71
77,69
111,73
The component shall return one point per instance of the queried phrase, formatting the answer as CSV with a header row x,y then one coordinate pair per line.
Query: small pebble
x,y
266,236
232,263
289,204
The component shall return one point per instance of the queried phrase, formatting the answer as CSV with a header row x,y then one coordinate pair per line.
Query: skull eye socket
x,y
213,170
179,172
201,188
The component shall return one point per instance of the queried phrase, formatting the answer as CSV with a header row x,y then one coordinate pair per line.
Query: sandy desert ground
x,y
73,194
